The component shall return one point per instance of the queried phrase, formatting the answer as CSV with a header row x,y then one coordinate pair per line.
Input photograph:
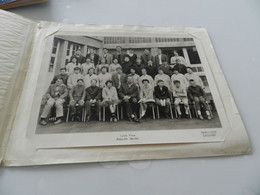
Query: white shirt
x,y
181,78
103,78
195,77
70,67
86,67
149,78
88,78
174,58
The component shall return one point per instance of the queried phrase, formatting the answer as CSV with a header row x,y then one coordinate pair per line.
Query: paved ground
x,y
123,125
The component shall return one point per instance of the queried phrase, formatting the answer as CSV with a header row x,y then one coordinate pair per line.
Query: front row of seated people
x,y
108,91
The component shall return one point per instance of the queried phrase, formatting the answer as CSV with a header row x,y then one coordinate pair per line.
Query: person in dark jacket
x,y
62,75
151,69
180,67
138,66
126,65
80,58
131,55
146,57
128,92
160,58
197,94
119,55
93,98
162,97
167,69
93,57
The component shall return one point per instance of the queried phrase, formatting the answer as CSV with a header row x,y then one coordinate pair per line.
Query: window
x,y
204,80
51,66
55,46
193,55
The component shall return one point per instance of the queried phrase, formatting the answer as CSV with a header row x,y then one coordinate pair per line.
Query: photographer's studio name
x,y
124,137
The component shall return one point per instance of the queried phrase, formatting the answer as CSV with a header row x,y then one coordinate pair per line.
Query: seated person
x,y
126,65
166,79
180,96
151,69
63,75
167,69
191,75
162,97
114,66
197,94
56,95
103,77
128,92
77,96
146,96
89,77
145,76
73,78
93,98
180,77
135,76
118,78
110,98
138,66
99,66
180,67
86,66
71,65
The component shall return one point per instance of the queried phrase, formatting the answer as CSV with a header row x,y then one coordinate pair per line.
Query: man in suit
x,y
56,95
180,67
160,58
128,92
146,57
119,78
162,97
107,56
93,98
93,57
80,58
119,55
62,75
138,66
131,55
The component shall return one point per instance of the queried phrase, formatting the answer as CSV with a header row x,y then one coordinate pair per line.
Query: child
x,y
99,66
70,66
114,66
103,77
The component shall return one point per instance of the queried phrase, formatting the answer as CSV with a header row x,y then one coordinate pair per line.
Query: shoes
x,y
167,116
111,119
136,120
88,118
115,120
209,117
201,117
57,122
130,119
43,122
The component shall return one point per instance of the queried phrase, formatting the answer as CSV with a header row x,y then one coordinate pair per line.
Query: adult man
x,y
107,56
103,77
145,76
176,56
127,64
80,58
160,58
131,55
138,66
77,96
73,64
135,76
62,75
119,55
86,66
180,77
146,56
197,94
56,95
151,69
73,78
180,67
162,97
128,92
93,98
166,69
90,76
94,58
119,78
191,75
166,79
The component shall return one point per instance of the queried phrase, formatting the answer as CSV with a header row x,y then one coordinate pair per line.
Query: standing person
x,y
166,79
80,58
114,66
160,58
128,92
118,78
86,66
131,55
180,96
138,66
145,76
56,95
62,75
180,67
90,76
119,55
176,56
103,77
191,75
162,97
94,58
180,77
151,69
77,96
72,80
126,65
146,56
166,69
135,76
110,99
93,98
146,96
70,66
107,56
99,66
197,94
